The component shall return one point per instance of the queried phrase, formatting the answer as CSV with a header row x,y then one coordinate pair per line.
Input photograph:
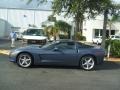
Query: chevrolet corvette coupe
x,y
62,52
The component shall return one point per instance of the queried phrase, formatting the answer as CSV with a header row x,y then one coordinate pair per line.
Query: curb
x,y
113,60
4,52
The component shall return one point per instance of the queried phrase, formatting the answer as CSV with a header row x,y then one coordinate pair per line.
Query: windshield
x,y
34,32
50,45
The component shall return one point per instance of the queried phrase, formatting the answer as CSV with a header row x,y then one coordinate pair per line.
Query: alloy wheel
x,y
24,60
87,63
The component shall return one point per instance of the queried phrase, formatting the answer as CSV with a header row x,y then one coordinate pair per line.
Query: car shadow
x,y
107,65
54,67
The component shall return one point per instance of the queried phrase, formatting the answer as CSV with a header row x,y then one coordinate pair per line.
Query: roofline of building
x,y
26,9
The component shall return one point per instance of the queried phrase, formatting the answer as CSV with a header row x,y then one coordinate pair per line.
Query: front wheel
x,y
24,60
87,63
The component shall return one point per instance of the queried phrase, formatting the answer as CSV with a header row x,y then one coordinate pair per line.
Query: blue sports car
x,y
62,52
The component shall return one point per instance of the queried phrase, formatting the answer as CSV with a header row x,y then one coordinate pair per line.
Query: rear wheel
x,y
87,62
24,60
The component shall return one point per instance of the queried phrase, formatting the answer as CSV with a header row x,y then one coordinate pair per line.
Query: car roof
x,y
65,40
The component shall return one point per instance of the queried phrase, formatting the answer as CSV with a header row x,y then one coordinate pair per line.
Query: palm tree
x,y
58,28
114,18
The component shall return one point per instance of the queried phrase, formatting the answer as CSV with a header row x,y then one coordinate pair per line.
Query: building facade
x,y
93,28
17,15
20,19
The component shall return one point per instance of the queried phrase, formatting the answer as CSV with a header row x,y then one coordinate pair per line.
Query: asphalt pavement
x,y
12,77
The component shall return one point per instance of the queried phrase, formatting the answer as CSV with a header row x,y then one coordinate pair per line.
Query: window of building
x,y
98,33
112,32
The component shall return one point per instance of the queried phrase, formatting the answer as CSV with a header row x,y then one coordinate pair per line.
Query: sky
x,y
118,1
21,4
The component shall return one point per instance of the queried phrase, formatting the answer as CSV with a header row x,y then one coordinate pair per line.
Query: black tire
x,y
24,60
87,62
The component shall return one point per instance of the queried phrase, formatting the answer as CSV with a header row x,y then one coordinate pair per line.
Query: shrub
x,y
63,36
115,47
79,37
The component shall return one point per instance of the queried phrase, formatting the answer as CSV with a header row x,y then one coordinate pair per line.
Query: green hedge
x,y
115,47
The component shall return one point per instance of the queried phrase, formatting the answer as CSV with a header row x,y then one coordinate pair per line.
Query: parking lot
x,y
12,77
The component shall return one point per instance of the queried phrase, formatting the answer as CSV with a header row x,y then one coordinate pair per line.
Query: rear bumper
x,y
100,60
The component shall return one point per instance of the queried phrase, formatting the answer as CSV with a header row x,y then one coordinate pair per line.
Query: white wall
x,y
19,18
90,25
41,16
3,21
2,28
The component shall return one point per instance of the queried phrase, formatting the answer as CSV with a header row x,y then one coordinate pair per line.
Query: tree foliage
x,y
80,9
110,9
52,31
63,26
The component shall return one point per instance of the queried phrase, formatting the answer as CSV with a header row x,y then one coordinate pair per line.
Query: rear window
x,y
82,45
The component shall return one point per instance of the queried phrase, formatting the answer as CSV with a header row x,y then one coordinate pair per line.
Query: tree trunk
x,y
77,26
69,34
81,25
104,28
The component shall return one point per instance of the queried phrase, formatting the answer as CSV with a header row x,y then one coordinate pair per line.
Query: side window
x,y
79,45
66,45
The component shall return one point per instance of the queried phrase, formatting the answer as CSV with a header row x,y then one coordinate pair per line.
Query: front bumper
x,y
32,41
13,56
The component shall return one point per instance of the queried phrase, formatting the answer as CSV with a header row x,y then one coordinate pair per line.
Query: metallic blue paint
x,y
68,57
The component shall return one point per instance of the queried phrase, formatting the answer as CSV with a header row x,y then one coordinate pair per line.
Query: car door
x,y
63,53
48,55
69,53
